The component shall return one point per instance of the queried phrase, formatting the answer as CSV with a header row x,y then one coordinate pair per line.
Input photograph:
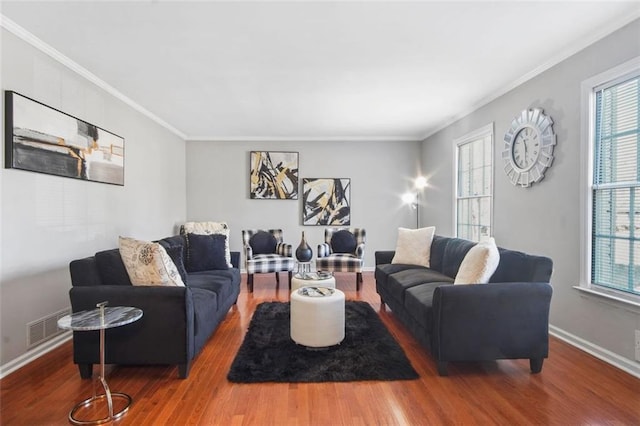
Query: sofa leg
x,y
536,365
250,282
86,370
183,370
358,281
442,368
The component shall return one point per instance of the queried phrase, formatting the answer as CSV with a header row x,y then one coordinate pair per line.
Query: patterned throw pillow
x,y
148,264
210,228
414,246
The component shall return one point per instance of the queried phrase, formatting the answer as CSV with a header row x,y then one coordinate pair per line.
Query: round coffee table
x,y
317,316
101,319
312,279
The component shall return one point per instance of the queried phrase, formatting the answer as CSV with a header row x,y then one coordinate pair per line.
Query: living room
x,y
172,177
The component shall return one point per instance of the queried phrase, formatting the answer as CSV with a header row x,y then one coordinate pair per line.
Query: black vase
x,y
304,252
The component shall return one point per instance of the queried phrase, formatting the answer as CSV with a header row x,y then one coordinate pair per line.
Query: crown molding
x,y
571,50
303,139
56,55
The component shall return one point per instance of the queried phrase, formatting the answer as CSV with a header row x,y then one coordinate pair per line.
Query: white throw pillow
x,y
479,263
208,228
148,263
413,246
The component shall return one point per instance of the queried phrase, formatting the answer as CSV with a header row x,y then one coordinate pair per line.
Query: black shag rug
x,y
368,351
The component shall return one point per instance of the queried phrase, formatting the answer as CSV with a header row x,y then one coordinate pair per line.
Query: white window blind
x,y
474,184
615,235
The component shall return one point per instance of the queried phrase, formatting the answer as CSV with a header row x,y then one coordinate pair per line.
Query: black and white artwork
x,y
42,139
274,175
326,201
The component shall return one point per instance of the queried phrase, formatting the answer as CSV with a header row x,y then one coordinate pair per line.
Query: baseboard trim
x,y
605,355
35,353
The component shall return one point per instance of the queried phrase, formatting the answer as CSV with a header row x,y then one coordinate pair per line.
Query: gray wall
x,y
380,172
544,219
46,221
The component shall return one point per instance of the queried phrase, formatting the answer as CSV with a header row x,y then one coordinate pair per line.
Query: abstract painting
x,y
274,175
326,201
42,139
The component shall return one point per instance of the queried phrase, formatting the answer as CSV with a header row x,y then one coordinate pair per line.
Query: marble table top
x,y
114,316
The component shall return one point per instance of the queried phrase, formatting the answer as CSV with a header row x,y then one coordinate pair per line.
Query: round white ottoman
x,y
317,316
312,280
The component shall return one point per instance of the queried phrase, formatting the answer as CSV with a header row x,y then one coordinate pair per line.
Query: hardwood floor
x,y
574,388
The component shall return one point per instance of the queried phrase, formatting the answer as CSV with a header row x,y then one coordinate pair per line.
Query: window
x,y
613,199
474,183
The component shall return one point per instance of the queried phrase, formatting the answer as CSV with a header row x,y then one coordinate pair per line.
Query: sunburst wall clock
x,y
528,147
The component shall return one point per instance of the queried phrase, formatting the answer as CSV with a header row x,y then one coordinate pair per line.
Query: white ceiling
x,y
314,70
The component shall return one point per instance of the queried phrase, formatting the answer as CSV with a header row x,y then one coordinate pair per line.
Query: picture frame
x,y
326,201
273,175
42,139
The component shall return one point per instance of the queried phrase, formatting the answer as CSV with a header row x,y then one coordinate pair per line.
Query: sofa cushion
x,y
210,228
413,246
343,241
437,252
454,254
176,254
205,252
173,241
383,271
418,302
399,282
215,281
111,268
148,263
263,242
479,264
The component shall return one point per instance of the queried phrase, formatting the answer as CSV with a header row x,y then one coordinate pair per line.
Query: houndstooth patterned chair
x,y
342,251
265,252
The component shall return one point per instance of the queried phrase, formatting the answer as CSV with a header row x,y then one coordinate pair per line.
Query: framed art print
x,y
326,201
42,139
273,175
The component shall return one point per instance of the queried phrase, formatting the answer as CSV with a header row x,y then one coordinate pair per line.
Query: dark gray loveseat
x,y
176,321
508,318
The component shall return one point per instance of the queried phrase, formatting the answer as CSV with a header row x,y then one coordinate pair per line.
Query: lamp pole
x,y
417,210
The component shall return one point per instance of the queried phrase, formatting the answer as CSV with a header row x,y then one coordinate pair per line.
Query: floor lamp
x,y
413,198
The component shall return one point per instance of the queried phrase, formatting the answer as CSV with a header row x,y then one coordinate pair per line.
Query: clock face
x,y
528,147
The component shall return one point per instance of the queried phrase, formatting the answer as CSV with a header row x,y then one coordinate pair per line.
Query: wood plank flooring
x,y
574,388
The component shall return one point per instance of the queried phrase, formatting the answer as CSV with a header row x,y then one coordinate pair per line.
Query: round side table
x,y
101,319
312,280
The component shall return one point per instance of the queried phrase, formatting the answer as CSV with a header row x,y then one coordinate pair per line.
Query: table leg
x,y
108,395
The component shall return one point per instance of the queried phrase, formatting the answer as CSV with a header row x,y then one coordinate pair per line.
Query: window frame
x,y
480,133
589,87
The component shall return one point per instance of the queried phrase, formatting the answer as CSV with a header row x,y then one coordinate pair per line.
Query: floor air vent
x,y
41,330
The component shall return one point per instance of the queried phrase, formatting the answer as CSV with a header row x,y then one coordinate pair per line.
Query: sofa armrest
x,y
235,259
164,334
491,321
384,256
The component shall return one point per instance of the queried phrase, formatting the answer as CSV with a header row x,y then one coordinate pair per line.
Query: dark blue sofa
x,y
176,321
508,318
